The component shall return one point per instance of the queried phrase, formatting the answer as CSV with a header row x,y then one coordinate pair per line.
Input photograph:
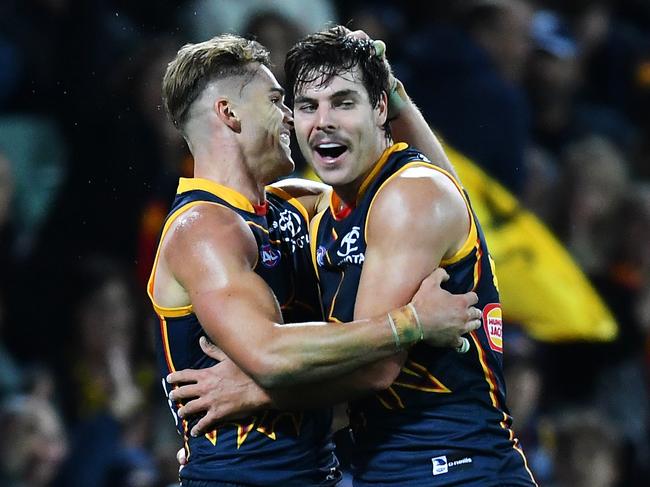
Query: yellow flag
x,y
541,286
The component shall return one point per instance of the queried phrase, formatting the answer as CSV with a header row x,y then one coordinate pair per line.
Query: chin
x,y
282,168
332,177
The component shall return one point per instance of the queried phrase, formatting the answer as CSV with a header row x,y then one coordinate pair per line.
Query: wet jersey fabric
x,y
443,421
273,447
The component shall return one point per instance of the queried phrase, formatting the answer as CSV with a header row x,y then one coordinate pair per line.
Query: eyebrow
x,y
280,91
337,94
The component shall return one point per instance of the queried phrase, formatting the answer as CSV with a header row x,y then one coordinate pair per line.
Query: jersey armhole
x,y
174,312
472,235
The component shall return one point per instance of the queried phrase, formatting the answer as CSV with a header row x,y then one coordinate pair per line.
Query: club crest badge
x,y
270,256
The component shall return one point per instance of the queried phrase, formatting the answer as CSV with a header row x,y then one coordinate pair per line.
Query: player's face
x,y
338,130
266,123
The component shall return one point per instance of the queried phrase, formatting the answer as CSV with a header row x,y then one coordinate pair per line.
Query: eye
x,y
307,107
276,100
346,104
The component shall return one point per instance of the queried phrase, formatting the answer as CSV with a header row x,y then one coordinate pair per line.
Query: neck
x,y
224,163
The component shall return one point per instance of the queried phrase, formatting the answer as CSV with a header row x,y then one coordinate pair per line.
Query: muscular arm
x,y
210,253
418,219
312,195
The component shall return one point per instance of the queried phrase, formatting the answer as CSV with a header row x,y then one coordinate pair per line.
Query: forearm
x,y
311,352
410,126
358,383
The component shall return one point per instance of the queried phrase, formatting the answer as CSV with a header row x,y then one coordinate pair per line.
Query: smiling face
x,y
266,124
339,132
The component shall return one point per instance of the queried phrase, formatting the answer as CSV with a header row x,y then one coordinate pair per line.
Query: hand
x,y
181,458
397,98
444,316
221,392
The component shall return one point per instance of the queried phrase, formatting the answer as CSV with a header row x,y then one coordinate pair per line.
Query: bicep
x,y
392,272
239,317
212,256
408,232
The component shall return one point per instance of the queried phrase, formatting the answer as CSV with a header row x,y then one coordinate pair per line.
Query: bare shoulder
x,y
207,231
298,187
313,195
420,200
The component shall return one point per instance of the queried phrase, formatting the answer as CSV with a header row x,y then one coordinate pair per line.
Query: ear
x,y
224,110
382,109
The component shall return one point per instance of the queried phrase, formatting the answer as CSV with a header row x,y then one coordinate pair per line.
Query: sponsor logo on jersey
x,y
270,256
349,242
290,230
290,222
440,465
493,326
444,463
320,255
349,245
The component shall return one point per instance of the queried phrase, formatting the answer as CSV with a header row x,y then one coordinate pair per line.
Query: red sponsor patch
x,y
493,326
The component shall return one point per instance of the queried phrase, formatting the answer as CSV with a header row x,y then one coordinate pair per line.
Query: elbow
x,y
269,372
381,375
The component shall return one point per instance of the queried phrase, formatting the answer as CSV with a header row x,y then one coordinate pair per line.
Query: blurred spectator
x,y
524,381
38,442
37,157
597,181
6,199
151,158
109,439
278,34
207,18
11,377
465,77
556,84
587,451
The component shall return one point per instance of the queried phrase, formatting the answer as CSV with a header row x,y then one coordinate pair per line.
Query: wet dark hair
x,y
330,53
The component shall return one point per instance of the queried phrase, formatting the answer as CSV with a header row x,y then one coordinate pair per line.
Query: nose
x,y
287,116
324,119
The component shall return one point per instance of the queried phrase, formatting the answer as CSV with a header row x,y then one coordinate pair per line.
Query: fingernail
x,y
194,434
168,378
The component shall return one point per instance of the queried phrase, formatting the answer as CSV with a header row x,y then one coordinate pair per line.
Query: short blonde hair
x,y
195,65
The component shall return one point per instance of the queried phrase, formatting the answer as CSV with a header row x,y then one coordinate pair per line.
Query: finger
x,y
183,376
463,345
185,392
380,48
205,424
441,274
474,313
359,34
181,457
211,350
472,298
472,325
195,406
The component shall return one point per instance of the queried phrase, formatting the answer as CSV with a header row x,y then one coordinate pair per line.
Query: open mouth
x,y
330,150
